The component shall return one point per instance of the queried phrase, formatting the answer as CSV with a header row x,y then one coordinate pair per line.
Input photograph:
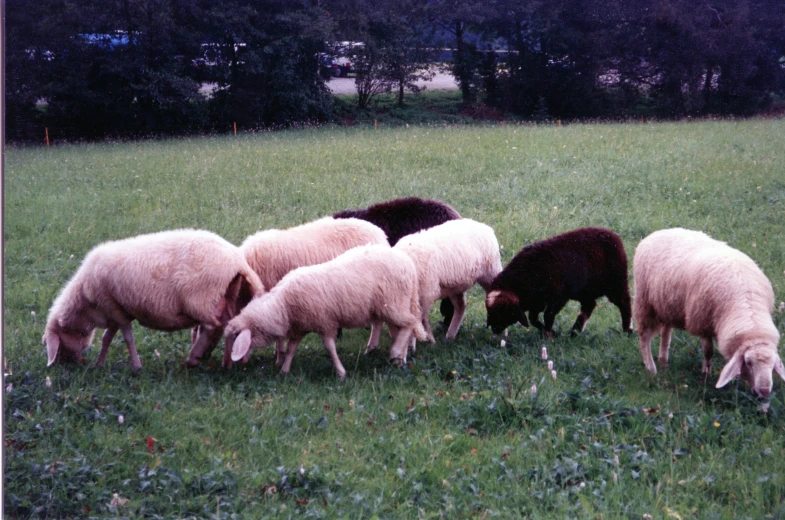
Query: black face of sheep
x,y
503,310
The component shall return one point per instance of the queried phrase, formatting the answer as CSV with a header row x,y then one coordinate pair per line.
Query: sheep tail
x,y
253,280
419,330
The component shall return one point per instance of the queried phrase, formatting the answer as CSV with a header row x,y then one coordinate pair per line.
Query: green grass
x,y
438,107
457,434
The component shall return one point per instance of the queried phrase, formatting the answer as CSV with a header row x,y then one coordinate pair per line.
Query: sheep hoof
x,y
663,363
397,362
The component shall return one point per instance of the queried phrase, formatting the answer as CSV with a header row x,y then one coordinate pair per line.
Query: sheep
x,y
687,280
581,265
274,252
401,217
365,286
168,281
449,259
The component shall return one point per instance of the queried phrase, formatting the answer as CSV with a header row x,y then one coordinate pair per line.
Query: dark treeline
x,y
98,68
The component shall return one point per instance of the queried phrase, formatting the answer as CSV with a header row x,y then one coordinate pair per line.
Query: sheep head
x,y
504,309
755,365
65,345
241,338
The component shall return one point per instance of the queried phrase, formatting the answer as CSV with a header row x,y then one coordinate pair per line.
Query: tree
x,y
462,21
269,71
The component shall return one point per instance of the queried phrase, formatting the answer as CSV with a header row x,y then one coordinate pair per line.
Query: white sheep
x,y
449,259
273,253
168,281
365,286
685,279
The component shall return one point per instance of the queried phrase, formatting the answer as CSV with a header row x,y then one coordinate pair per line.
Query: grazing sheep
x,y
401,217
685,279
274,252
365,286
581,265
168,281
449,259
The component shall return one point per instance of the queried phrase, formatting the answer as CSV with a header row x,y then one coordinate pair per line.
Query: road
x,y
439,82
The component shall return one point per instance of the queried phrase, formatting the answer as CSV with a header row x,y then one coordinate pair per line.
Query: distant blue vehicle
x,y
108,41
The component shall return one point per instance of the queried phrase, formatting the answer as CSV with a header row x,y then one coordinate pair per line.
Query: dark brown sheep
x,y
580,265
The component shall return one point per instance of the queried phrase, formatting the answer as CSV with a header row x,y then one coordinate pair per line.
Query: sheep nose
x,y
763,393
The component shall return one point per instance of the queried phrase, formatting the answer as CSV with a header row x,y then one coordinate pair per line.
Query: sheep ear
x,y
242,344
52,342
779,368
731,370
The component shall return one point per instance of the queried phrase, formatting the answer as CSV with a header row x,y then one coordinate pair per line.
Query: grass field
x,y
458,433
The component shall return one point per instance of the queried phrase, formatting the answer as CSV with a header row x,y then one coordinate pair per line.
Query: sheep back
x,y
451,257
401,217
273,253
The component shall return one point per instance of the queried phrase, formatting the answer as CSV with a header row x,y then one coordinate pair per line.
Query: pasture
x,y
459,433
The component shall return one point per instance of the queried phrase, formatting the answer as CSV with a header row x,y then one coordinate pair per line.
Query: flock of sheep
x,y
388,264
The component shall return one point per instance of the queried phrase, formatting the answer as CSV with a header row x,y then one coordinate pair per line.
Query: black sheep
x,y
580,265
401,217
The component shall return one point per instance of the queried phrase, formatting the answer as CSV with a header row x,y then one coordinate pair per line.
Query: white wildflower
x,y
550,364
553,374
48,382
544,354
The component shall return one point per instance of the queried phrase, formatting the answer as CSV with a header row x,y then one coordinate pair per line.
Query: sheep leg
x,y
401,345
446,309
329,344
708,353
207,335
106,340
213,338
373,340
459,303
281,349
426,322
534,318
645,346
622,301
587,307
398,351
549,316
290,350
665,345
128,336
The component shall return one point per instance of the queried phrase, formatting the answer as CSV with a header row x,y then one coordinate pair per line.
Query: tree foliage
x,y
94,68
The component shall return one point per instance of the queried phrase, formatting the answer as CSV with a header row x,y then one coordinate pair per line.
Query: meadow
x,y
460,431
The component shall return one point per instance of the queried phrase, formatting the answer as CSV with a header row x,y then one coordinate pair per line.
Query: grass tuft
x,y
457,433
